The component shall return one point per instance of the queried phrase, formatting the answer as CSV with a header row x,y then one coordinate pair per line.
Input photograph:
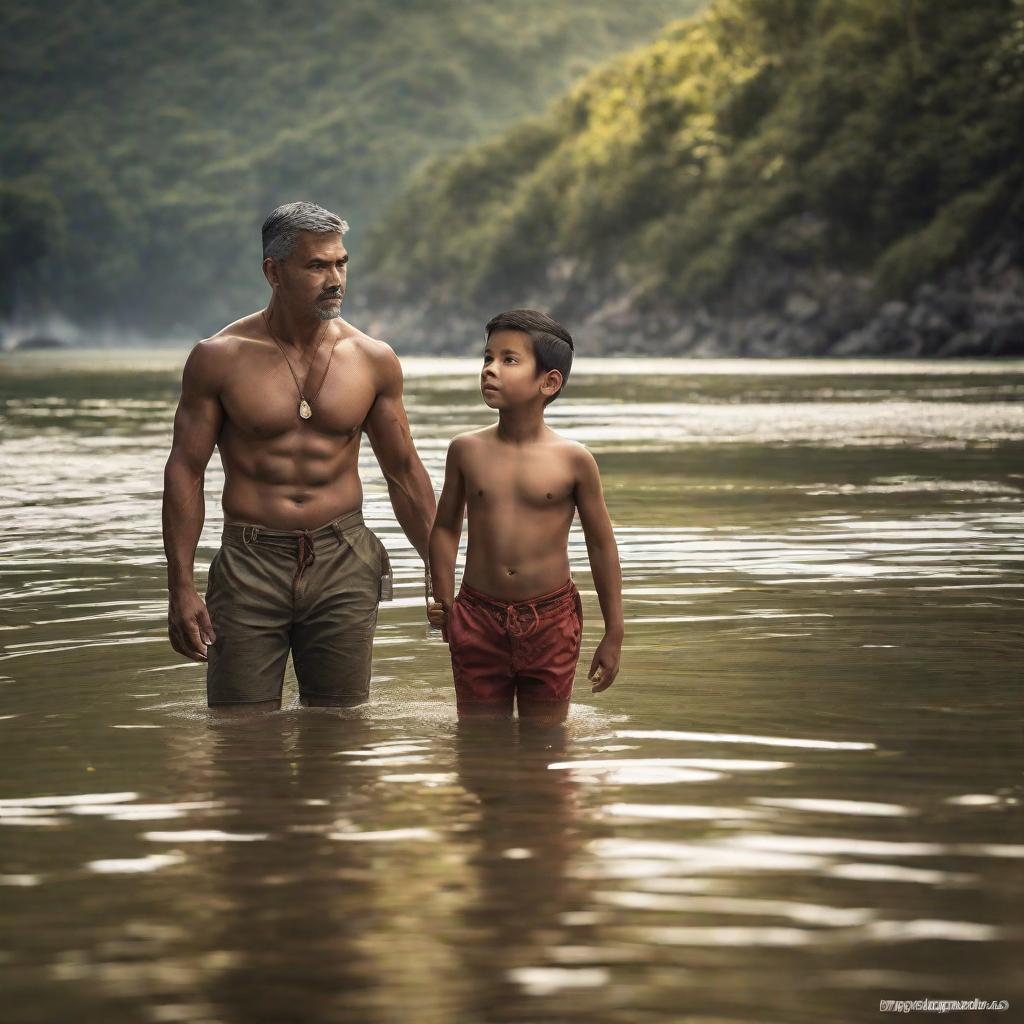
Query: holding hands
x,y
437,613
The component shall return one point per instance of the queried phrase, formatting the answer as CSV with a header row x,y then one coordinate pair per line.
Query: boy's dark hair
x,y
552,343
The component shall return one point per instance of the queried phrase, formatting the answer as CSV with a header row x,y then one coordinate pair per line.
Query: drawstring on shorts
x,y
514,622
305,556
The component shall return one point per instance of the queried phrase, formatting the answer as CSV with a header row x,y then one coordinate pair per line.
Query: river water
x,y
802,795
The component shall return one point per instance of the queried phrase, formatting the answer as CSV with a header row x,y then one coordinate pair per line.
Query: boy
x,y
514,629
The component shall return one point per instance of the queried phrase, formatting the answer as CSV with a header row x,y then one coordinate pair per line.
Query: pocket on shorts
x,y
366,546
577,607
212,574
451,630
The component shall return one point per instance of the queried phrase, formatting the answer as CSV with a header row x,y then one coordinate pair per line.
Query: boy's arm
x,y
445,534
604,567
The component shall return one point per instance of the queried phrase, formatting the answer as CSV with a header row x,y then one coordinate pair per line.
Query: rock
x,y
802,307
893,311
1008,339
38,341
963,345
1001,261
867,341
682,338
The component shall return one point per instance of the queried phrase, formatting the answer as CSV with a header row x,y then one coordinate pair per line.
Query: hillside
x,y
771,177
144,142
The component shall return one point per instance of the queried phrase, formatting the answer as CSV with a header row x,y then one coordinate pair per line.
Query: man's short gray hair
x,y
282,227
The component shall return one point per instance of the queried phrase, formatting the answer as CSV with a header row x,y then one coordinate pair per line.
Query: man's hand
x,y
437,614
189,625
605,666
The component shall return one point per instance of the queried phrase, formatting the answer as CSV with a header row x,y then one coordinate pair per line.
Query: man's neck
x,y
300,332
521,426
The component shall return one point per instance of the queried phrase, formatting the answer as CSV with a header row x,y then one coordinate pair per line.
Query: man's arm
x,y
444,537
197,424
604,567
387,427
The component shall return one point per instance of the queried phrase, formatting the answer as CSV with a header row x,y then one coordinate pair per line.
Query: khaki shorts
x,y
314,592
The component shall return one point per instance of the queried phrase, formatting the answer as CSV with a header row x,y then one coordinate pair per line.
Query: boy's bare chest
x,y
537,480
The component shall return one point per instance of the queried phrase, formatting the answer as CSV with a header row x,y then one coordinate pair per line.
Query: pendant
x,y
304,410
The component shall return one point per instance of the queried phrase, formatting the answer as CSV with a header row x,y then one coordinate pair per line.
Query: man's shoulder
x,y
377,354
232,340
365,344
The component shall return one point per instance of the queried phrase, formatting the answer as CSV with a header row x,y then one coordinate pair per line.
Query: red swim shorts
x,y
525,650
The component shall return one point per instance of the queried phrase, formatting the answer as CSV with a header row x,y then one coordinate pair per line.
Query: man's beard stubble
x,y
330,312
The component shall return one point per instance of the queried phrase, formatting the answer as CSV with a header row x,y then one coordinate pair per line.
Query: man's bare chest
x,y
263,400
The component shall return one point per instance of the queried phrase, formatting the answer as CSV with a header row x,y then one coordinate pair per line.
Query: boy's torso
x,y
520,501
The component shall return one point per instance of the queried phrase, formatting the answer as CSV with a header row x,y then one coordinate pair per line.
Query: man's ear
x,y
271,272
552,383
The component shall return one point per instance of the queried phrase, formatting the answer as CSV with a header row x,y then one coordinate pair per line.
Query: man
x,y
285,394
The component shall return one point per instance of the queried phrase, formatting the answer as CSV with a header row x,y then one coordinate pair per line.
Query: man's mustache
x,y
334,293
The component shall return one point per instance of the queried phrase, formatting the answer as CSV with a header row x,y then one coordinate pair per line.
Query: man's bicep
x,y
387,424
200,415
387,427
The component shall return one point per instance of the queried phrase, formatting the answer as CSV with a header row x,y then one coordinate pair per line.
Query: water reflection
x,y
519,845
801,795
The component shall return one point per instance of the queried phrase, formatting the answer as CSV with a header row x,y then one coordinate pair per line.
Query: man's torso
x,y
281,471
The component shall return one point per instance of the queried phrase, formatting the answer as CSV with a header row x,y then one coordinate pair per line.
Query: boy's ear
x,y
551,383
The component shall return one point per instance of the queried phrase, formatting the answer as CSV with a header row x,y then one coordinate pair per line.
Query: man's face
x,y
509,374
314,274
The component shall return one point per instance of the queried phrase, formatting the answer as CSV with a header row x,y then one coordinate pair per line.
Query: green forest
x,y
769,177
144,142
743,177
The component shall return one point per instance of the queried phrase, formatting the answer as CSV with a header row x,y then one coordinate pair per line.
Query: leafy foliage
x,y
881,135
157,136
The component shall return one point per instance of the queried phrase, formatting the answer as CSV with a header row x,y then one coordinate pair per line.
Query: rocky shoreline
x,y
973,310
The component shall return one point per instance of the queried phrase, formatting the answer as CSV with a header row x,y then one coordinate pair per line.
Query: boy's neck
x,y
521,426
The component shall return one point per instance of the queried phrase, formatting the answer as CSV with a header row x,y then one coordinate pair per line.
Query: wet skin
x,y
520,484
280,471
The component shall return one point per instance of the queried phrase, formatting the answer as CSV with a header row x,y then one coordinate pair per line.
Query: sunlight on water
x,y
801,795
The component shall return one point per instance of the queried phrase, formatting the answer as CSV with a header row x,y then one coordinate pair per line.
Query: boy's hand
x,y
437,614
605,666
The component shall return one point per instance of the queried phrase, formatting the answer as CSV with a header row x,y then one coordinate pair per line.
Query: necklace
x,y
305,404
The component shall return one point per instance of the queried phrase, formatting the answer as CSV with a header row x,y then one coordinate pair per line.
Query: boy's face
x,y
509,376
